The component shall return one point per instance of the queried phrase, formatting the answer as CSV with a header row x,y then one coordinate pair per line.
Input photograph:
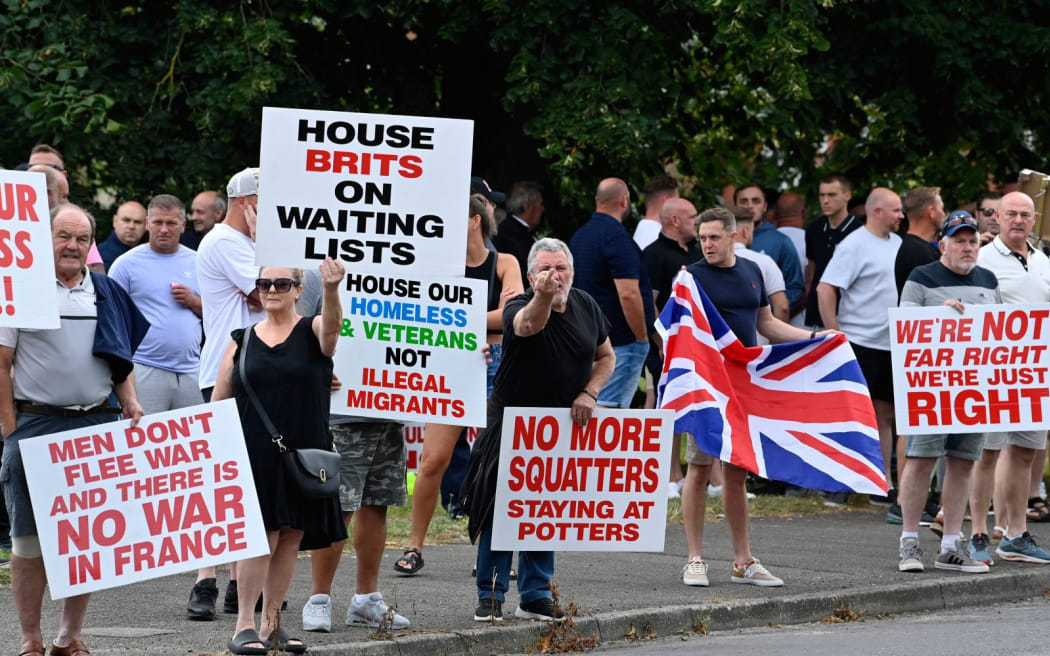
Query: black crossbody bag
x,y
314,472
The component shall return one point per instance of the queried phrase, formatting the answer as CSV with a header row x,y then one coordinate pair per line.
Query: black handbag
x,y
314,472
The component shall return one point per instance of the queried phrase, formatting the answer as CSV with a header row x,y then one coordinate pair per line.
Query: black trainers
x,y
202,600
539,609
489,610
229,602
895,515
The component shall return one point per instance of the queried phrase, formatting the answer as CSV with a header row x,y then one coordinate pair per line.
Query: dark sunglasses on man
x,y
282,285
987,212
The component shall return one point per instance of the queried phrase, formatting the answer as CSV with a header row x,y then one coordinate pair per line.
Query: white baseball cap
x,y
244,183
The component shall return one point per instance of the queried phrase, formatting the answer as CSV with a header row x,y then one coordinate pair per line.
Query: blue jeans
x,y
623,383
496,354
535,571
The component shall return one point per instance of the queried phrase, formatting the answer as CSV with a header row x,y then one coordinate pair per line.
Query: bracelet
x,y
588,393
812,334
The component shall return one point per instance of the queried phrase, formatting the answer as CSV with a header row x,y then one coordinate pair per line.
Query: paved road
x,y
1010,629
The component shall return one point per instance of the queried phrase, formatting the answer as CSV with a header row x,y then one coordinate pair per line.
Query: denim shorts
x,y
623,383
966,446
1027,439
372,470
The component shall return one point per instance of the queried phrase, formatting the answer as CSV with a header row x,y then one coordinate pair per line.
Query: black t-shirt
x,y
665,258
914,252
821,240
737,292
550,368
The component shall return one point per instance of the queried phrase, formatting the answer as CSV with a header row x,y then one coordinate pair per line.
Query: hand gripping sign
x,y
27,261
115,505
599,487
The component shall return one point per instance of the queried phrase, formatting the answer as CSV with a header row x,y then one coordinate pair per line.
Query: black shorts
x,y
878,371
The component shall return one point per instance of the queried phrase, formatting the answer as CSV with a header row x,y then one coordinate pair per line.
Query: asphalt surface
x,y
827,561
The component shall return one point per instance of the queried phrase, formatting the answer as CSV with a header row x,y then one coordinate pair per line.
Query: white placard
x,y
383,193
982,371
115,505
27,257
411,349
599,487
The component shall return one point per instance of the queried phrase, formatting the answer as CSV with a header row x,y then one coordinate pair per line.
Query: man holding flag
x,y
798,412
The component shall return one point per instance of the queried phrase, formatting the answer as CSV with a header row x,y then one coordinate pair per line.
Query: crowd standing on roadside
x,y
570,324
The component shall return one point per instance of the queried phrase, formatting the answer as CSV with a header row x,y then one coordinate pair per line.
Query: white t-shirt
x,y
646,232
226,273
1015,284
772,278
862,268
798,239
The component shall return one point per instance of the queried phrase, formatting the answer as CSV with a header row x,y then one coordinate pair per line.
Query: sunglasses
x,y
282,285
960,220
986,211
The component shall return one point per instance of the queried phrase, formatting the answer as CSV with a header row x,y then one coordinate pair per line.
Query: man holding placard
x,y
43,398
556,354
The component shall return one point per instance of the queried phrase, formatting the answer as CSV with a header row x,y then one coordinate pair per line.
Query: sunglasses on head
x,y
960,220
282,285
986,211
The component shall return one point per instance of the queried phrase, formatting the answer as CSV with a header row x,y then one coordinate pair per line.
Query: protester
x,y
1023,272
207,209
955,281
789,216
129,225
556,354
743,239
524,214
609,267
41,397
924,210
735,287
770,241
986,214
657,191
57,184
500,271
286,360
824,234
47,155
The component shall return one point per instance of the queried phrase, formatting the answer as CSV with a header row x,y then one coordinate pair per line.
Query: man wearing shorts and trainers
x,y
1024,277
955,280
862,271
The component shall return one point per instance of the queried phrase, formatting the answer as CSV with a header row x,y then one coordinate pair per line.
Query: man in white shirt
x,y
657,192
862,271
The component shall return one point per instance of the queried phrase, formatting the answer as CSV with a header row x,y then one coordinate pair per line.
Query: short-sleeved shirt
x,y
914,252
226,272
173,342
56,366
664,258
862,269
1018,283
932,284
737,291
772,278
550,368
776,245
603,251
821,240
645,232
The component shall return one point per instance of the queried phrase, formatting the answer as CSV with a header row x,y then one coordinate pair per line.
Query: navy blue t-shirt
x,y
603,250
737,292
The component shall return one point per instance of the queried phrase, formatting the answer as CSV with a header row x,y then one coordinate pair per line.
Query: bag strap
x,y
275,435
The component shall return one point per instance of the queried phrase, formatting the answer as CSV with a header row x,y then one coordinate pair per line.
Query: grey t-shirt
x,y
934,283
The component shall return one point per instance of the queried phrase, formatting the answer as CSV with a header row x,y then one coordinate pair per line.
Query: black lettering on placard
x,y
367,134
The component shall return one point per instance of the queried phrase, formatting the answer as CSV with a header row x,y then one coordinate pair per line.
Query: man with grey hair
x,y
39,396
207,209
556,354
525,211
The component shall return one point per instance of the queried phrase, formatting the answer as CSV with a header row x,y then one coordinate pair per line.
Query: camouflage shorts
x,y
372,471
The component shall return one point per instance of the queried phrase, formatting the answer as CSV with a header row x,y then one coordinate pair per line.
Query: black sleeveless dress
x,y
292,381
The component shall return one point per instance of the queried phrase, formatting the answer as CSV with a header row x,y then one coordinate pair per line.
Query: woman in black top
x,y
289,366
503,274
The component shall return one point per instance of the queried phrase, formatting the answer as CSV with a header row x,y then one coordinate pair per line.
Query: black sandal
x,y
283,644
239,643
414,558
1038,511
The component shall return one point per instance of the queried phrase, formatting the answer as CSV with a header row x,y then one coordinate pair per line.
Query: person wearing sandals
x,y
501,271
287,363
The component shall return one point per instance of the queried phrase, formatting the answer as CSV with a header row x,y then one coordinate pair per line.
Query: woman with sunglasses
x,y
502,273
288,364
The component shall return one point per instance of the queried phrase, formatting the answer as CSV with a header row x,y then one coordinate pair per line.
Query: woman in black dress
x,y
289,366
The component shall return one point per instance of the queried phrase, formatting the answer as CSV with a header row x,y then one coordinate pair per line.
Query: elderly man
x,y
1024,277
954,280
556,354
207,209
129,225
96,341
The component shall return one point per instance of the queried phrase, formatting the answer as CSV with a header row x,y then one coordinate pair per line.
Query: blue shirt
x,y
778,246
603,251
111,249
737,292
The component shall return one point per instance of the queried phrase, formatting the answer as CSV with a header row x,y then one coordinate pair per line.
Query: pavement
x,y
829,561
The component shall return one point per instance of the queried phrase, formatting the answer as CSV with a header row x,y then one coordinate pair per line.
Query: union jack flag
x,y
797,412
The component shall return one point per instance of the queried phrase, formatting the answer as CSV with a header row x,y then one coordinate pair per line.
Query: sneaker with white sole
x,y
1022,549
959,560
980,548
374,613
489,610
911,556
317,614
540,609
695,573
755,573
674,491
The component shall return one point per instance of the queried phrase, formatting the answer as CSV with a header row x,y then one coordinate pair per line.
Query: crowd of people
x,y
190,318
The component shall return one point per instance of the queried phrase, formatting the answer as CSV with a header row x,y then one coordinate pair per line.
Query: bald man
x,y
609,266
789,217
57,185
129,226
207,209
861,270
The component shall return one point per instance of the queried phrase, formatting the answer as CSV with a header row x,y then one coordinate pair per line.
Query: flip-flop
x,y
282,643
239,643
414,558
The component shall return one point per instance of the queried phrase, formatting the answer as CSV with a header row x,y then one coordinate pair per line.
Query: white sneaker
x,y
695,573
673,490
373,613
714,491
317,614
